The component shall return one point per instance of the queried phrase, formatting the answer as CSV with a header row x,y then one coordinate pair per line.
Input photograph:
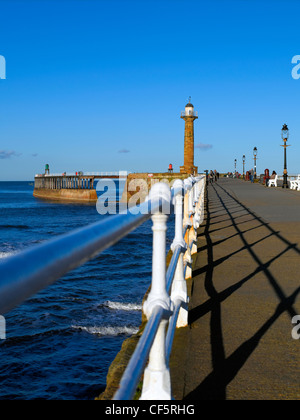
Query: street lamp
x,y
244,158
234,166
285,136
255,157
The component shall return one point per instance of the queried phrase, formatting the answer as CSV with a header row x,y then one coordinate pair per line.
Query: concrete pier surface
x,y
244,294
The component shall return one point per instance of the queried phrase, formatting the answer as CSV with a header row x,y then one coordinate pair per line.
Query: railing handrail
x,y
122,174
24,274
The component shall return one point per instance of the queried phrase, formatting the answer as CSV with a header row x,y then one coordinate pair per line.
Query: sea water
x,y
60,342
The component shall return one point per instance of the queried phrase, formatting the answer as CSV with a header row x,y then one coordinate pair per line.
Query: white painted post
x,y
202,202
179,287
193,233
157,382
187,258
198,192
187,187
158,294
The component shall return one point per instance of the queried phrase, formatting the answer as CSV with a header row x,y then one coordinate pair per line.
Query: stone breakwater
x,y
136,189
67,195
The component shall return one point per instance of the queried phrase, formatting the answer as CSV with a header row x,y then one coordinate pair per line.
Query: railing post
x,y
179,287
193,232
198,197
187,223
202,202
157,382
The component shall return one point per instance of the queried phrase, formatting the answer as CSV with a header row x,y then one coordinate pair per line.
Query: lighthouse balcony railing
x,y
189,114
24,274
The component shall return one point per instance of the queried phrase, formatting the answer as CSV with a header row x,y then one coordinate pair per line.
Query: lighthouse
x,y
189,116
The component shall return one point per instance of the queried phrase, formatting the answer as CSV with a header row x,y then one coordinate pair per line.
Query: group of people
x,y
251,173
213,176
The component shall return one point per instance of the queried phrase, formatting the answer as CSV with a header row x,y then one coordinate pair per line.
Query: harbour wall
x,y
69,188
79,195
81,188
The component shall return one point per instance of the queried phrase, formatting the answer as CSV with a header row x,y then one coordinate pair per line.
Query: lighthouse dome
x,y
189,108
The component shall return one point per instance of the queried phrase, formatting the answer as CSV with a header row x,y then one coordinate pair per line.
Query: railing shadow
x,y
213,387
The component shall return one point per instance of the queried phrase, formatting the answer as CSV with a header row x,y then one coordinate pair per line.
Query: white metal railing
x,y
167,301
24,274
189,114
120,174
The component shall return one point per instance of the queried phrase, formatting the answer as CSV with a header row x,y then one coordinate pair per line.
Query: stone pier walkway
x,y
244,294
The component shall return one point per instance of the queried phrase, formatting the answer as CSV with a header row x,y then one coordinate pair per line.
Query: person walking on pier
x,y
211,177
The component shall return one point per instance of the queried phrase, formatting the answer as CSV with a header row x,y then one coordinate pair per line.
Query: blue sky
x,y
98,85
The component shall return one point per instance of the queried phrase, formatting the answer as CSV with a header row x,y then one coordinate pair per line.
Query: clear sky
x,y
98,85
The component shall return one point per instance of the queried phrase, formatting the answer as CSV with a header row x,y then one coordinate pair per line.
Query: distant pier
x,y
77,187
80,187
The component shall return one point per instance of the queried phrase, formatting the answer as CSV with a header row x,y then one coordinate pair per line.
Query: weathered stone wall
x,y
138,185
73,195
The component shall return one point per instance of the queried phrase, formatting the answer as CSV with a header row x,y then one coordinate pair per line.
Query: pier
x,y
244,294
220,318
74,187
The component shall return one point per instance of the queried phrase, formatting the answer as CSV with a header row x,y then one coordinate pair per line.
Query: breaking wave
x,y
122,306
107,331
6,254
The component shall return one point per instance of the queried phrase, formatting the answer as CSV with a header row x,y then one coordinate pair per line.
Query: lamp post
x,y
244,159
285,136
234,167
255,157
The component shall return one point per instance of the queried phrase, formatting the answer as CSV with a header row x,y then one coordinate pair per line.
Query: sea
x,y
60,342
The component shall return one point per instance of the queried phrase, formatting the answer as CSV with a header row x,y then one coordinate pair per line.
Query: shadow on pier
x,y
244,294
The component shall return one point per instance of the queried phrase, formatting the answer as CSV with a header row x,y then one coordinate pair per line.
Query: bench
x,y
295,183
273,182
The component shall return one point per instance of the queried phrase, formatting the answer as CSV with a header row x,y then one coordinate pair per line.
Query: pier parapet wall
x,y
138,185
75,188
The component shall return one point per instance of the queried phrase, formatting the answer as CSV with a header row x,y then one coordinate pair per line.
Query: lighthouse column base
x,y
191,170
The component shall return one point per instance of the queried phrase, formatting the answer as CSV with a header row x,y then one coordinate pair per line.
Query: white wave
x,y
6,254
108,331
121,306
